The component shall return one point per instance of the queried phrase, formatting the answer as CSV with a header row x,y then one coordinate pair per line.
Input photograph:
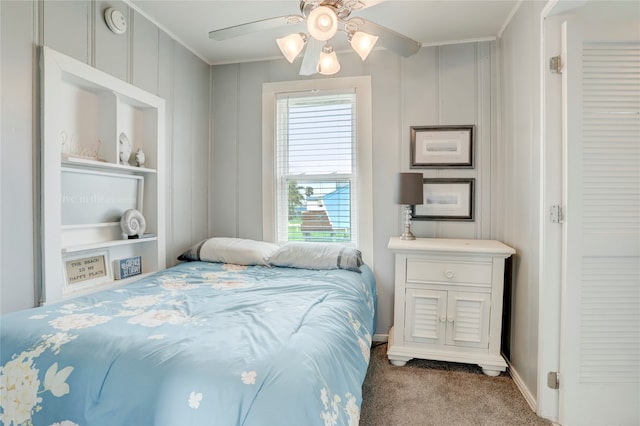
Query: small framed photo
x,y
86,269
442,147
446,200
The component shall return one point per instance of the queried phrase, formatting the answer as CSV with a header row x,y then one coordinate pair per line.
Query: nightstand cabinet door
x,y
426,314
468,319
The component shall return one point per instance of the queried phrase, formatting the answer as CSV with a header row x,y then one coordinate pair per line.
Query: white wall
x,y
145,57
440,85
518,166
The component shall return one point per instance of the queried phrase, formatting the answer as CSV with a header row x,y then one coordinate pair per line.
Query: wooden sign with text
x,y
87,268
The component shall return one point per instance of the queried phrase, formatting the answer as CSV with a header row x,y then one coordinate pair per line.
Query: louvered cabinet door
x,y
468,319
425,319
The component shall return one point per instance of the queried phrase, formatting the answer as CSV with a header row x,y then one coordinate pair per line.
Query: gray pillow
x,y
231,250
317,256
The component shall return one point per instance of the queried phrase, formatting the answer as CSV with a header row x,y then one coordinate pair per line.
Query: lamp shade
x,y
409,189
362,43
291,45
322,23
328,63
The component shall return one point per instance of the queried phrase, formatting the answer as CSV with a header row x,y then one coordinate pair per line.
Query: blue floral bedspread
x,y
197,344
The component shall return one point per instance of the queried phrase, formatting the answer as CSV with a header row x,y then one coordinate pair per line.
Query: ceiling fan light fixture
x,y
362,43
322,23
292,45
328,63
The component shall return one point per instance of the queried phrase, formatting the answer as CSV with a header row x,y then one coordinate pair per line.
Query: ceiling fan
x,y
324,19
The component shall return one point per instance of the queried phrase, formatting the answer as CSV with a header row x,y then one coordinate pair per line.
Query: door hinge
x,y
556,215
553,380
555,64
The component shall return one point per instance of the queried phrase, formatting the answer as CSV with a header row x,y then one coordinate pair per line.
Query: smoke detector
x,y
115,20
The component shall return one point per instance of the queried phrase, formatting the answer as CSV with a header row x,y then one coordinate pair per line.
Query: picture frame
x,y
446,200
442,147
86,269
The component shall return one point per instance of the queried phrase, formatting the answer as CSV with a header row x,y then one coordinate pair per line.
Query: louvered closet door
x,y
600,325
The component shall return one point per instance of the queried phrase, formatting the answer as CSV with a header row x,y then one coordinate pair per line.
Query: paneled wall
x,y
146,57
439,85
518,167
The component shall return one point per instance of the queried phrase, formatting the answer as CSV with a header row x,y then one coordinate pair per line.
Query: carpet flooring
x,y
436,393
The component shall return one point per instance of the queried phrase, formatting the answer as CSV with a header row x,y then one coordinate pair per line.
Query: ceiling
x,y
430,22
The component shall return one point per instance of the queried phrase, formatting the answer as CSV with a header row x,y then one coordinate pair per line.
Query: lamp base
x,y
407,236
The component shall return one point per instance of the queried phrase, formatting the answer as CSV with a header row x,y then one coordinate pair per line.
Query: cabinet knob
x,y
449,273
450,319
443,318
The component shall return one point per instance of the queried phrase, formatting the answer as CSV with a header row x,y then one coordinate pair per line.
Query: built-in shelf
x,y
97,164
106,244
107,285
96,129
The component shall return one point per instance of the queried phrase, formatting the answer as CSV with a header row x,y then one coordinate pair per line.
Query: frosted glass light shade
x,y
328,63
291,45
362,43
322,23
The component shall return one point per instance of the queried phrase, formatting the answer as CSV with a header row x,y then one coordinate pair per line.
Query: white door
x,y
600,319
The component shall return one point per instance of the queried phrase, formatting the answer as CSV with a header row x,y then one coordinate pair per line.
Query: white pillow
x,y
317,256
231,250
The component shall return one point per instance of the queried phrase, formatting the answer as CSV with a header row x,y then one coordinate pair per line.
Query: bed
x,y
203,342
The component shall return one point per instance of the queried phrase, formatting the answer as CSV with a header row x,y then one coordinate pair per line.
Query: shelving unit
x,y
87,184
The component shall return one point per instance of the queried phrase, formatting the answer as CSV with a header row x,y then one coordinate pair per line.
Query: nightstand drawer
x,y
422,270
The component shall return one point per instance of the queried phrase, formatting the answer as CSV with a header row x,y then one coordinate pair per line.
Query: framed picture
x,y
86,269
442,147
446,200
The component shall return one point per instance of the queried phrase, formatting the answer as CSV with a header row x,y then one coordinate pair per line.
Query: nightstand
x,y
448,301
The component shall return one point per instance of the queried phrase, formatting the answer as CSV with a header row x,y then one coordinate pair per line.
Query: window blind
x,y
316,166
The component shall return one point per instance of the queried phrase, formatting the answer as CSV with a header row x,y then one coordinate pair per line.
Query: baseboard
x,y
380,337
531,400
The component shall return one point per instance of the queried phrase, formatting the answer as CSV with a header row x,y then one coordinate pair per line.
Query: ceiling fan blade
x,y
390,39
255,26
363,4
311,56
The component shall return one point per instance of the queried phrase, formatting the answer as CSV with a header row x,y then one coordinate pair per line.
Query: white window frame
x,y
362,87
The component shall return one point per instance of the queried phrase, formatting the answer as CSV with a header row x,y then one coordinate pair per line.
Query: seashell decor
x,y
133,223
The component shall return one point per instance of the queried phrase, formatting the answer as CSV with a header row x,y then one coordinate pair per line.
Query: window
x,y
317,161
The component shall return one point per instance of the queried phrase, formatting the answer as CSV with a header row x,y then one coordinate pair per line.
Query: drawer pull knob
x,y
443,318
449,273
450,319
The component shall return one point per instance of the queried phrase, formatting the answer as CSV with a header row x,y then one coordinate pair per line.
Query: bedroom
x,y
493,84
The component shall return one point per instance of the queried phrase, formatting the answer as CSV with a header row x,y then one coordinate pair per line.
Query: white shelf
x,y
96,164
106,244
107,285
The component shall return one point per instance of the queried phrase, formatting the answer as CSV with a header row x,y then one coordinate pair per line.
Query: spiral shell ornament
x,y
132,223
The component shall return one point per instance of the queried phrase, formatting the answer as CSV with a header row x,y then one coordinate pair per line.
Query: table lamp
x,y
408,192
